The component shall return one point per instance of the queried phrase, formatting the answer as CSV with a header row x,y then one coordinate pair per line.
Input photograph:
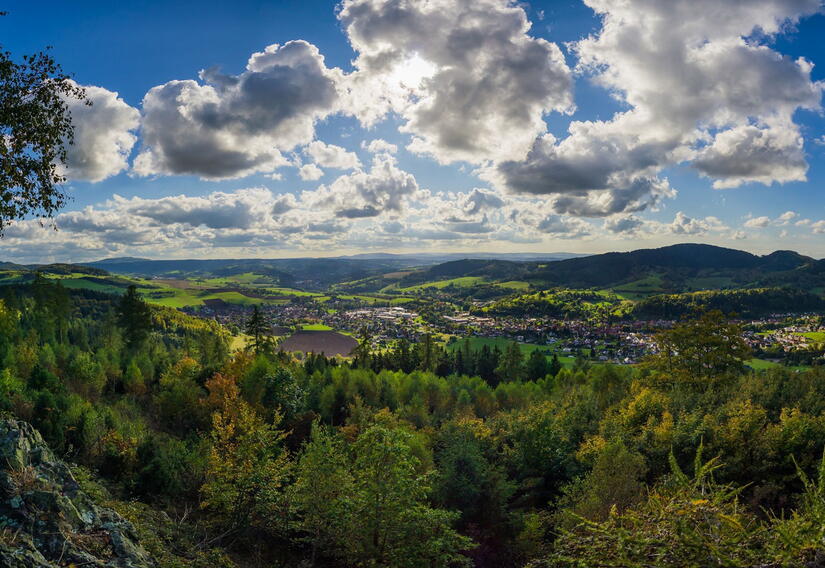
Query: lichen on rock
x,y
46,520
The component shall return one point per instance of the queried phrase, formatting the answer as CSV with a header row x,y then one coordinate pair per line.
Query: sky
x,y
318,128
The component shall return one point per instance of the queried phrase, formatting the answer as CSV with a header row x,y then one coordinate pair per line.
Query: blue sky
x,y
643,124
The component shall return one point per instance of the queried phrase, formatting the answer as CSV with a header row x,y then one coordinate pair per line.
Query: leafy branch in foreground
x,y
35,126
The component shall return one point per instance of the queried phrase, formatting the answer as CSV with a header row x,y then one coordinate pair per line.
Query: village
x,y
774,338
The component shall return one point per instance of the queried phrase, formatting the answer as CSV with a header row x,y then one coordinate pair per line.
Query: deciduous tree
x,y
35,126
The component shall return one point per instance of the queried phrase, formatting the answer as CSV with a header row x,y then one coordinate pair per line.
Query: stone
x,y
46,520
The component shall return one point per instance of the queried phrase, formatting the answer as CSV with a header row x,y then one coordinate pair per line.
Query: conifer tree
x,y
259,329
536,365
134,318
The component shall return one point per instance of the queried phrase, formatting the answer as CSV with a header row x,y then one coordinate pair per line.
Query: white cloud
x,y
694,89
366,193
786,217
758,222
560,227
230,126
331,156
310,172
103,135
623,224
747,153
379,146
466,77
241,209
818,227
684,225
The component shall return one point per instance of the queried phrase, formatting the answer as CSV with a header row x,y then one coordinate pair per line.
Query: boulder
x,y
46,520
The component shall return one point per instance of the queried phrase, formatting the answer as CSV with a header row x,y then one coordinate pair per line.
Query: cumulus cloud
x,y
623,224
684,225
751,154
787,217
379,146
229,126
366,193
560,227
331,156
758,222
238,210
465,76
698,86
103,135
310,172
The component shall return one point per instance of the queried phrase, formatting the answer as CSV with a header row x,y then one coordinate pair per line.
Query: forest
x,y
418,456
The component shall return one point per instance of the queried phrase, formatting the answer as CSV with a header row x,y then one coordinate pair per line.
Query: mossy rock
x,y
46,520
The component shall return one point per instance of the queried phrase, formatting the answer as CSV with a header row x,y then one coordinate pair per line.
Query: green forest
x,y
418,456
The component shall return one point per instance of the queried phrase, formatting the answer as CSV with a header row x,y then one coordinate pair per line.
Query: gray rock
x,y
46,520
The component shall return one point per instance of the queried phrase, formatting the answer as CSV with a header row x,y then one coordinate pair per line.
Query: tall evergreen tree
x,y
511,364
555,365
134,318
537,366
258,327
428,358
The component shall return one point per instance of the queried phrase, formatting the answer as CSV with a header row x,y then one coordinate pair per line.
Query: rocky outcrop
x,y
46,520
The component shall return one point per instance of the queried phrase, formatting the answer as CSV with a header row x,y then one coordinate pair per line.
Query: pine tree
x,y
428,358
536,365
135,318
555,365
259,329
362,353
511,364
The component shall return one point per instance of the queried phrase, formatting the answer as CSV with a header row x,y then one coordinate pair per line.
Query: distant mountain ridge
x,y
677,262
675,268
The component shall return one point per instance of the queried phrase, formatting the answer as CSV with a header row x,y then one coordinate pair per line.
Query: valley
x,y
597,309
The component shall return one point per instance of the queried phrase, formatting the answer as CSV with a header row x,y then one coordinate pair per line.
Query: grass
x,y
239,342
640,289
514,285
817,336
315,327
477,343
462,282
177,294
280,291
763,365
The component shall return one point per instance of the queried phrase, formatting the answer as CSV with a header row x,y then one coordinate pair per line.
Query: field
x,y
763,365
462,282
526,348
518,285
241,289
640,289
315,327
817,336
330,343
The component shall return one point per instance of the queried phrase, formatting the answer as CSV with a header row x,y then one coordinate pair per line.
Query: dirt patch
x,y
330,343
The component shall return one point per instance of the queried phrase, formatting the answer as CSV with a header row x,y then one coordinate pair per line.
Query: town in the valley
x,y
794,340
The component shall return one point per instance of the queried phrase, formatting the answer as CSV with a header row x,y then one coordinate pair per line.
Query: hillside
x,y
638,274
488,269
675,265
